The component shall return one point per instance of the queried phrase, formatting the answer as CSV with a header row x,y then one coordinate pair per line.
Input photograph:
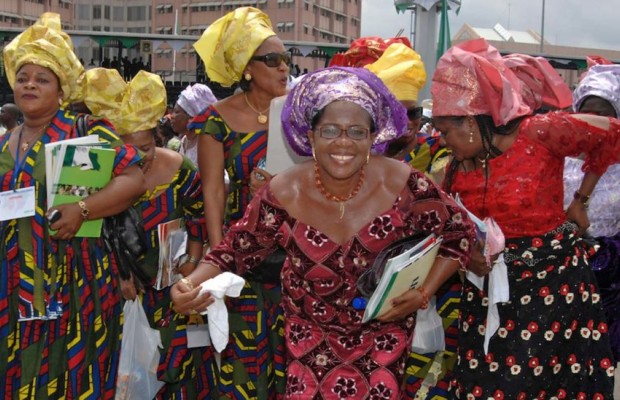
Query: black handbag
x,y
369,279
269,269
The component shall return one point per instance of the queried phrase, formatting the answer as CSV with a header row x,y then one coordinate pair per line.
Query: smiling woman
x,y
333,216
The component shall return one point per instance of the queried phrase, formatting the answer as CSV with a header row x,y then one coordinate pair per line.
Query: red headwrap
x,y
472,79
365,50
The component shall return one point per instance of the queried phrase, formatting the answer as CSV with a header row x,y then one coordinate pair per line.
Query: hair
x,y
487,129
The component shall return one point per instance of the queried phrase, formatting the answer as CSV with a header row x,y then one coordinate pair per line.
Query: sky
x,y
579,23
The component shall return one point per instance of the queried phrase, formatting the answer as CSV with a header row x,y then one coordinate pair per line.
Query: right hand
x,y
187,301
128,289
478,263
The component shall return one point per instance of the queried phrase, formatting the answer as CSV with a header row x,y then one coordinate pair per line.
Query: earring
x,y
247,76
60,101
313,154
471,131
367,158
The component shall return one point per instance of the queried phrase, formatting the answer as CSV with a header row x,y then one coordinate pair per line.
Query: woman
x,y
173,195
597,94
191,101
61,326
341,116
241,48
552,339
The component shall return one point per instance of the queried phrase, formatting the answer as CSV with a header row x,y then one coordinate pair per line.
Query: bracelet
x,y
582,198
188,282
425,298
85,211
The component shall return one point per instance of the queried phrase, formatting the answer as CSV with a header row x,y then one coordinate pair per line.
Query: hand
x,y
403,306
69,223
258,178
128,289
187,301
478,263
578,213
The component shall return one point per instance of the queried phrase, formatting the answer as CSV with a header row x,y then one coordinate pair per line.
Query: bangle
x,y
85,211
425,298
582,198
188,282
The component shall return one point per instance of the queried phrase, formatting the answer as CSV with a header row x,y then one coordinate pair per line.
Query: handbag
x,y
369,279
123,234
268,271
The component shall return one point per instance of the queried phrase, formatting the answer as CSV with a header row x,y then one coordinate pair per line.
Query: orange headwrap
x,y
472,79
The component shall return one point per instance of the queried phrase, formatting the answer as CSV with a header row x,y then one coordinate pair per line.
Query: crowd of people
x,y
503,141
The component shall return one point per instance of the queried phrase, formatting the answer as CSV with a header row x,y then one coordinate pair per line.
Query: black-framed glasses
x,y
414,113
274,60
333,132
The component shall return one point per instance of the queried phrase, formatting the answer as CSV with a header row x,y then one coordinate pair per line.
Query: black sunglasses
x,y
274,60
414,113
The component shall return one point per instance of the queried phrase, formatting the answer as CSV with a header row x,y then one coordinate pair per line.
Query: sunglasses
x,y
353,132
414,113
274,60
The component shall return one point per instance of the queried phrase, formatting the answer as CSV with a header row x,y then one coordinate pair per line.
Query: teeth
x,y
342,158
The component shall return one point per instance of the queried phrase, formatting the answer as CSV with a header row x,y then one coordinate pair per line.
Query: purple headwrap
x,y
356,85
196,98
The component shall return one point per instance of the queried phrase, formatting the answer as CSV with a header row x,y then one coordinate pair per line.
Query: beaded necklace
x,y
330,196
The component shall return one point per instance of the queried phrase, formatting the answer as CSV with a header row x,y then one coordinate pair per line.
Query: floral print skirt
x,y
552,342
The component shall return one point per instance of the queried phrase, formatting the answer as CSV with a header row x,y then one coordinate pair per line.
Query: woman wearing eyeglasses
x,y
242,49
360,202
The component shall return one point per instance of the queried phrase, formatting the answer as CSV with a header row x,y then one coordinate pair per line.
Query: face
x,y
145,142
342,157
456,133
37,90
179,119
271,80
598,106
407,142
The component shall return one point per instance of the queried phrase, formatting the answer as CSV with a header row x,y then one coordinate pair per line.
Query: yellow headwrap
x,y
228,44
402,71
132,107
45,44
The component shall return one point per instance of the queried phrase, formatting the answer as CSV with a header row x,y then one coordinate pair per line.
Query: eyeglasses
x,y
414,113
274,60
353,132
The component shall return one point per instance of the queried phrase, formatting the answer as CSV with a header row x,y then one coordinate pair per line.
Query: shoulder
x,y
391,173
287,185
171,158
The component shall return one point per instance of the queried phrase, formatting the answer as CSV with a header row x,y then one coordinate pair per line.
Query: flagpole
x,y
542,29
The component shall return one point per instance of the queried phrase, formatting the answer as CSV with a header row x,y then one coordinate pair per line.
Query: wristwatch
x,y
187,258
582,198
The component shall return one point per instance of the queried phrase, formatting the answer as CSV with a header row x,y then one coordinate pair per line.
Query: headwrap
x,y
541,83
195,98
356,85
472,79
402,71
365,50
45,44
229,43
602,81
131,107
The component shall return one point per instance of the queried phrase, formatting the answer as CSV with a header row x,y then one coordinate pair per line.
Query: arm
x,y
211,165
577,210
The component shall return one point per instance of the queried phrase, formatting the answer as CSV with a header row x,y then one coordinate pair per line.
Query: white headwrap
x,y
195,98
601,81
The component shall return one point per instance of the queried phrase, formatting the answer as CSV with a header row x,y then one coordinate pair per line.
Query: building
x,y
569,61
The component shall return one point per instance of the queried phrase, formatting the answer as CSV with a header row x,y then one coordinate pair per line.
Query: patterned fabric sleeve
x,y
251,239
565,135
210,123
126,155
433,211
192,200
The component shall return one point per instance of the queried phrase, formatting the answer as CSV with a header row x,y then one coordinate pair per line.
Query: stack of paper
x,y
402,272
76,169
172,245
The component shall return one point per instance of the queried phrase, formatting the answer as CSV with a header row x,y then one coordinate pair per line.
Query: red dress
x,y
552,341
330,353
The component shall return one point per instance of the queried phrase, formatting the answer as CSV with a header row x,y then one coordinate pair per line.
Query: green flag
x,y
444,42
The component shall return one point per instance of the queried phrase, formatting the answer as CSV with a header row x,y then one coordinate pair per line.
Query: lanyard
x,y
19,165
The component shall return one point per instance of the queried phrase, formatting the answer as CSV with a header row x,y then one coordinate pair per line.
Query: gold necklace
x,y
26,145
262,118
330,196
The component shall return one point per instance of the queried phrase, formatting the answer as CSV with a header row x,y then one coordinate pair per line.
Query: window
x,y
136,13
96,12
118,13
106,12
83,11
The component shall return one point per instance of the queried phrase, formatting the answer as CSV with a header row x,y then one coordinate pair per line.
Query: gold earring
x,y
313,154
60,101
471,131
247,76
367,158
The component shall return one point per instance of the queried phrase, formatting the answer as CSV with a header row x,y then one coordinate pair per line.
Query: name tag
x,y
16,204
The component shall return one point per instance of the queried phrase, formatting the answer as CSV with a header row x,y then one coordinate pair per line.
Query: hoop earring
x,y
367,158
247,76
313,154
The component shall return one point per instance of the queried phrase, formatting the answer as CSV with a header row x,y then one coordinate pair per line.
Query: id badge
x,y
197,332
16,204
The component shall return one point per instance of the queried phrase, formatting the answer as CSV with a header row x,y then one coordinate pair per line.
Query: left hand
x,y
403,306
578,213
69,223
258,178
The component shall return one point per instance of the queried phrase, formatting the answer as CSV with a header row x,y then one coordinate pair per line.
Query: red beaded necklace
x,y
333,197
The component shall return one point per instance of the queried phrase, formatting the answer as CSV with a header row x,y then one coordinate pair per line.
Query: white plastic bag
x,y
137,370
428,335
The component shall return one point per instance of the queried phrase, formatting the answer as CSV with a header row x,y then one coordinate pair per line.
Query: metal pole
x,y
542,29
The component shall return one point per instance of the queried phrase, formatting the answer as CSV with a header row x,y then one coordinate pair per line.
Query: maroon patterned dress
x,y
330,353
